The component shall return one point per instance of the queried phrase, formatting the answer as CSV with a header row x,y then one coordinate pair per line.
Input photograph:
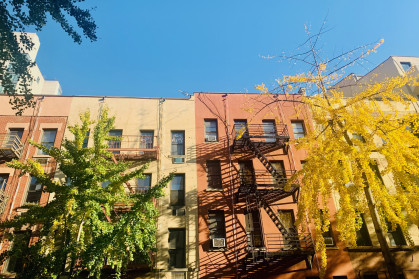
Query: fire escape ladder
x,y
274,217
279,177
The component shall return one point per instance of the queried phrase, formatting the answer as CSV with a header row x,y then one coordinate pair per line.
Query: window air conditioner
x,y
210,138
178,160
179,212
218,242
329,241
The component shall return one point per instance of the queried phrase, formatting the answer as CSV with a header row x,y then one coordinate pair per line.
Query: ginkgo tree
x,y
87,225
348,135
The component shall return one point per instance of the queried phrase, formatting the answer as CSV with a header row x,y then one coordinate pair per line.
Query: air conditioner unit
x,y
218,242
210,138
329,241
179,212
178,160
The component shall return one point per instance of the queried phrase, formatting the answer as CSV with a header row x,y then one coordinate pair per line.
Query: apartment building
x,y
161,131
367,259
246,217
46,124
39,85
394,66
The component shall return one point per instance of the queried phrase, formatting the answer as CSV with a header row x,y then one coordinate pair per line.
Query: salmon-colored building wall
x,y
225,108
48,113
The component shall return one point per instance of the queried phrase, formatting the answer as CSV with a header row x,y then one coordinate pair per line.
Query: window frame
x,y
207,133
34,192
48,144
214,177
177,145
217,217
180,194
144,188
298,135
144,142
175,252
115,144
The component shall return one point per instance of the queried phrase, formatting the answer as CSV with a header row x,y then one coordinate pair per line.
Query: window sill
x,y
211,142
214,190
178,269
218,250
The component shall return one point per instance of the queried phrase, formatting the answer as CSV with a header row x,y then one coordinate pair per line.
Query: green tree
x,y
17,16
87,224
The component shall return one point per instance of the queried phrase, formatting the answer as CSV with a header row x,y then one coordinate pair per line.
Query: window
x,y
253,229
18,132
247,173
362,236
3,181
406,66
211,133
280,169
216,225
20,242
48,139
269,130
105,183
328,236
115,143
177,190
86,139
358,137
144,184
298,129
396,236
177,245
370,275
34,191
146,139
214,174
303,162
240,127
178,142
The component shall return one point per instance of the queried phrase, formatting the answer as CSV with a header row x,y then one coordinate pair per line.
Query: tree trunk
x,y
388,258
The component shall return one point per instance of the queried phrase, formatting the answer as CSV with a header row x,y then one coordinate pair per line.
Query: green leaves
x,y
86,225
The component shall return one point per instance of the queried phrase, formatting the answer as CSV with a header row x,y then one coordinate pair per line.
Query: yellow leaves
x,y
262,88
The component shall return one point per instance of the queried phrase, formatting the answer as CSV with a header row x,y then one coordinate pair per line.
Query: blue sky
x,y
156,48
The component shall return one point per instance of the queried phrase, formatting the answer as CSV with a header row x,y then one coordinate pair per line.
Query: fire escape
x,y
268,253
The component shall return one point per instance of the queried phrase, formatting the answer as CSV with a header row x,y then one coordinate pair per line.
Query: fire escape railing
x,y
134,146
10,146
277,243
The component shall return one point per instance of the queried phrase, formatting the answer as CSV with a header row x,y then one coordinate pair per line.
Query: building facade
x,y
246,217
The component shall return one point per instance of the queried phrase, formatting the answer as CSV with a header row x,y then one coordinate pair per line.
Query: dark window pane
x,y
362,236
34,191
177,244
406,66
214,174
177,190
3,181
216,224
396,236
86,139
269,130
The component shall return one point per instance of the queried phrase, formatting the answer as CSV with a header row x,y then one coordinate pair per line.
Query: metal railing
x,y
136,145
277,243
10,146
267,133
264,179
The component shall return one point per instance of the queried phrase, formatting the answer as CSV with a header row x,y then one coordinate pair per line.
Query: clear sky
x,y
154,48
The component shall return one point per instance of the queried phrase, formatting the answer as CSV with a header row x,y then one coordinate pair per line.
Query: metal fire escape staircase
x,y
289,247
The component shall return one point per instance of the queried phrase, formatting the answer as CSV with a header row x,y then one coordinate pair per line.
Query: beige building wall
x,y
392,67
162,116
